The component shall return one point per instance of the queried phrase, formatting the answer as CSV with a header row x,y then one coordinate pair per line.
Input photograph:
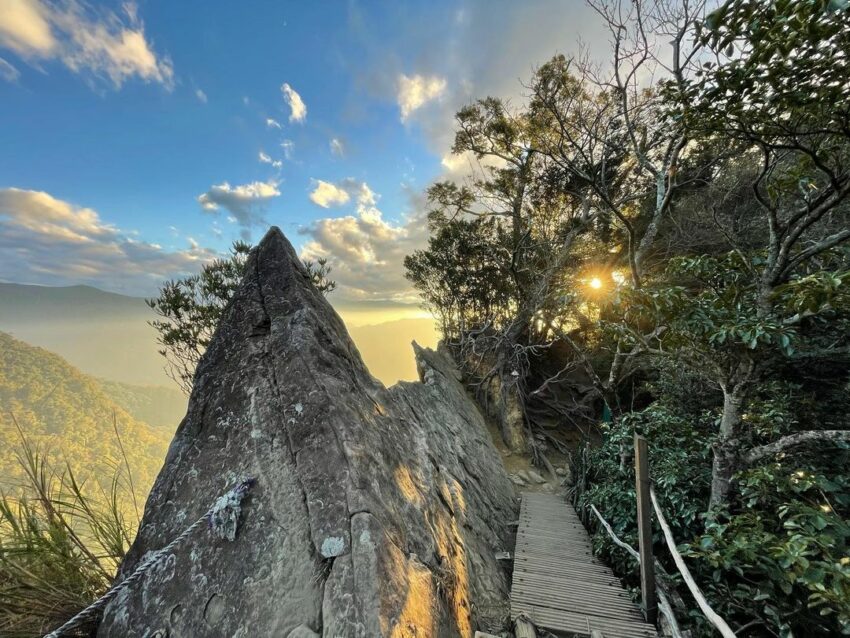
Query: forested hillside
x,y
70,415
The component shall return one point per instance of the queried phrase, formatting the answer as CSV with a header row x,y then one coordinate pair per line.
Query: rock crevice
x,y
376,512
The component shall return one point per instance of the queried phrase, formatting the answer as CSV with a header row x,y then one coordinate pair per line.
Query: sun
x,y
596,282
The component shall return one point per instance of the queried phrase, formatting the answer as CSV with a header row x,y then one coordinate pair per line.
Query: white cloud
x,y
272,123
288,147
297,108
459,165
489,50
326,195
201,95
245,203
25,28
455,162
45,240
8,72
100,43
417,90
337,147
265,159
365,250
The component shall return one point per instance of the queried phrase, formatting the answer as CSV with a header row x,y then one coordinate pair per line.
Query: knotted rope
x,y
222,519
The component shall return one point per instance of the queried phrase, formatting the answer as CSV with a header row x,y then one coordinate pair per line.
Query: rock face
x,y
376,512
501,401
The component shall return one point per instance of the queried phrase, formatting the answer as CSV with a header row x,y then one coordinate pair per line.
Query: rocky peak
x,y
375,512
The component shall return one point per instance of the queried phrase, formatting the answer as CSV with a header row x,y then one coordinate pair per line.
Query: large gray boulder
x,y
376,512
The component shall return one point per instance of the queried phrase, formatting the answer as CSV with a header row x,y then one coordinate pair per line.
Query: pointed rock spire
x,y
376,512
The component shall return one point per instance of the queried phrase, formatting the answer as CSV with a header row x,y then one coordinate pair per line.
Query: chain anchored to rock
x,y
222,519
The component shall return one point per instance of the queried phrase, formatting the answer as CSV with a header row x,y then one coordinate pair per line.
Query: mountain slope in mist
x,y
157,405
67,413
101,333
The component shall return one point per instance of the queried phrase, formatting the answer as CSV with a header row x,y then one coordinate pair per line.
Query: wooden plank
x,y
549,618
570,622
589,609
558,583
564,622
556,576
592,602
602,589
566,579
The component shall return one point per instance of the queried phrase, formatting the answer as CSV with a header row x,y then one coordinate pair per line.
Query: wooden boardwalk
x,y
559,585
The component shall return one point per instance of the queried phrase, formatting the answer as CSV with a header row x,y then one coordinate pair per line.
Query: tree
x,y
190,309
777,90
577,183
462,275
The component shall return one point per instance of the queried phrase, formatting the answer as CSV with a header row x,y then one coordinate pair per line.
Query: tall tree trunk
x,y
728,453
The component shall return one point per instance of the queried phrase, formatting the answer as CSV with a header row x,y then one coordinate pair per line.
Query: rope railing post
x,y
644,521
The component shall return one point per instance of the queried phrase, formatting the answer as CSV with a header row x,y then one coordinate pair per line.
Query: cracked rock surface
x,y
376,512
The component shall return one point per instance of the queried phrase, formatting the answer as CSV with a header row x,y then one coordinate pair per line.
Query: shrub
x,y
776,563
60,543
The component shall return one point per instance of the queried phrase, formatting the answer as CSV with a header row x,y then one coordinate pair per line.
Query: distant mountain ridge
x,y
106,334
25,297
101,333
62,410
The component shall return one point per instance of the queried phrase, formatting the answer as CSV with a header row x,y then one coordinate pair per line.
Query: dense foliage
x,y
674,252
775,561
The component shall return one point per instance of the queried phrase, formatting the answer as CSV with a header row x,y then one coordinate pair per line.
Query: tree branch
x,y
813,436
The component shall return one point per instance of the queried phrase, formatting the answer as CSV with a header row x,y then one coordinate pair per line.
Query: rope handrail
x,y
664,605
222,518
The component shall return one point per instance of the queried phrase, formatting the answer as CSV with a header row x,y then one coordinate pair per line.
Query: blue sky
x,y
131,134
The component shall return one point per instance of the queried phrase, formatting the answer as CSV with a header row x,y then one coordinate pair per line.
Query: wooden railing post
x,y
644,516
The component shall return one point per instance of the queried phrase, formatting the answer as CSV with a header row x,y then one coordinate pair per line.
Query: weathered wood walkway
x,y
557,582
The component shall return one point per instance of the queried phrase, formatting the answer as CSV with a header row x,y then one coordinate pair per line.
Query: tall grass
x,y
61,540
